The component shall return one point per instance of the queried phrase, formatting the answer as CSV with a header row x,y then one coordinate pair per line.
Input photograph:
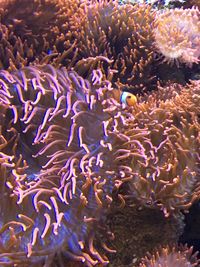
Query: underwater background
x,y
99,133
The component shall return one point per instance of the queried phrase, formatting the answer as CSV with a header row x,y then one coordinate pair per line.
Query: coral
x,y
177,35
171,257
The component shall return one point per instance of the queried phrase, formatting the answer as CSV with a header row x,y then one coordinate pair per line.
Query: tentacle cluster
x,y
81,34
55,153
161,152
123,34
177,35
38,31
66,143
171,257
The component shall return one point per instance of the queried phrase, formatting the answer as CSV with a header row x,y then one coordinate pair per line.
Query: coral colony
x,y
97,109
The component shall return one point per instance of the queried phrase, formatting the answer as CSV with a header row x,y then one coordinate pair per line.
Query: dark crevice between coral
x,y
191,233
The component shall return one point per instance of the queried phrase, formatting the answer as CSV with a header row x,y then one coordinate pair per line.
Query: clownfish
x,y
124,97
128,99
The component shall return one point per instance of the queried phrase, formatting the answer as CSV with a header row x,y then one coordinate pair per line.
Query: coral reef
x,y
81,157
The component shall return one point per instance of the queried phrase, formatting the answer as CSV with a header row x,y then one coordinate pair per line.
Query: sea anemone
x,y
177,35
57,162
123,35
171,257
38,31
13,53
160,155
85,35
66,144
